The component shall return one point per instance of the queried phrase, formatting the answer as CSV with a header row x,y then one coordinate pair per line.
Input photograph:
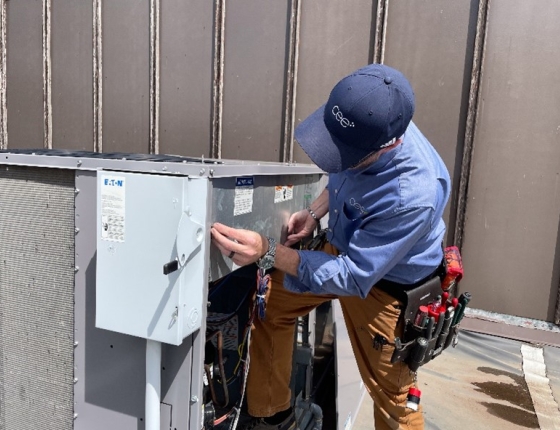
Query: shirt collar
x,y
379,164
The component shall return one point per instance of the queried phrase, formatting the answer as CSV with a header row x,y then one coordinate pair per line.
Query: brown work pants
x,y
268,390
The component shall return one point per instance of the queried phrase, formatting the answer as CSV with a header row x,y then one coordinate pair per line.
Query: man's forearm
x,y
287,260
320,205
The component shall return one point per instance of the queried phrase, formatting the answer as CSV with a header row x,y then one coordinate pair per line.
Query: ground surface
x,y
481,384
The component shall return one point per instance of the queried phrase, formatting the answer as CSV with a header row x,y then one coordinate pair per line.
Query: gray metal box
x,y
144,222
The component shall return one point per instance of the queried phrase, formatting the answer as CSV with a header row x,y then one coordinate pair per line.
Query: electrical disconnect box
x,y
150,254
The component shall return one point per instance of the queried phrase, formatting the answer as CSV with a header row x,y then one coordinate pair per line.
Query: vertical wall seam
x,y
380,31
218,84
155,7
291,81
3,80
557,310
472,118
97,77
384,39
47,81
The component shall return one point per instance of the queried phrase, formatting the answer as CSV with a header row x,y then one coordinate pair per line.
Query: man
x,y
385,197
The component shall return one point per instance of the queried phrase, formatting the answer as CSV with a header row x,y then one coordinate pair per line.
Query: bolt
x,y
202,172
75,416
79,163
164,168
75,380
76,230
76,344
76,269
77,191
211,172
194,399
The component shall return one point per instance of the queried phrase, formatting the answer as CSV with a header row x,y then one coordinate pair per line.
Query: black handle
x,y
170,267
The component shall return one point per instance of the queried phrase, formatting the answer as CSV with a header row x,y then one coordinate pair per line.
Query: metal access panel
x,y
66,270
150,254
36,298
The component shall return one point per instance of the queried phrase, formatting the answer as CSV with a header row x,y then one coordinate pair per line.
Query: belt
x,y
398,291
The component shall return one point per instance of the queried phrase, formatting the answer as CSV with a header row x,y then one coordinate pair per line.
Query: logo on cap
x,y
344,122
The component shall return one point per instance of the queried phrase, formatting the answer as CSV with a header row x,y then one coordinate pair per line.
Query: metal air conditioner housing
x,y
84,239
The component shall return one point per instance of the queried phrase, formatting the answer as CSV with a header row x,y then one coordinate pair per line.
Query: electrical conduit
x,y
153,384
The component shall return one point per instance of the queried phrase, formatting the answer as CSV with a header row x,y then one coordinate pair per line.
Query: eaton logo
x,y
114,182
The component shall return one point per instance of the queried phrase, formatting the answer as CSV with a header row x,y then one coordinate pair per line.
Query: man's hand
x,y
300,226
243,247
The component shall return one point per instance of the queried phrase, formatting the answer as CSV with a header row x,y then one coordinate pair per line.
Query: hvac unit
x,y
105,263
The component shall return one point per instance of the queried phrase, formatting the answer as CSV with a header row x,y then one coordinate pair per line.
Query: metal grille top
x,y
152,163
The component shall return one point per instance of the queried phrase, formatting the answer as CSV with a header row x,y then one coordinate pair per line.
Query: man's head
x,y
366,111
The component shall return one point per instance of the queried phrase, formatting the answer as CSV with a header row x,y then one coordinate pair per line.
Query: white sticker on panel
x,y
243,201
283,193
112,208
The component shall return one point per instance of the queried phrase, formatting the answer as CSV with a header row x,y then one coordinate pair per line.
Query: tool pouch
x,y
317,242
420,344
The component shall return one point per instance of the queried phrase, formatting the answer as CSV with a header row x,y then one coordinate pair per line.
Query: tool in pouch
x,y
432,317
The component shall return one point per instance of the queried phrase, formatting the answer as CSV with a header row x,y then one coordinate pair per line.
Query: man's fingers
x,y
233,233
223,229
224,243
293,238
290,242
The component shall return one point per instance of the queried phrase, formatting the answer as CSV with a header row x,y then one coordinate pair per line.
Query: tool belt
x,y
431,316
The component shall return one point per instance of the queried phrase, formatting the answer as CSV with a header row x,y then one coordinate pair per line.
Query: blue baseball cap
x,y
365,112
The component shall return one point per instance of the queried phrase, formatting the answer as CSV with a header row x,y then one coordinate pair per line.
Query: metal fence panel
x,y
437,59
255,61
334,41
186,77
72,80
126,76
511,234
25,74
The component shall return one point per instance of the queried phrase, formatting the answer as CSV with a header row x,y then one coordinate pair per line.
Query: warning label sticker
x,y
243,201
112,208
283,193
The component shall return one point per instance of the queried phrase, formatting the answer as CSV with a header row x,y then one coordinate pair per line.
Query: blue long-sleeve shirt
x,y
386,221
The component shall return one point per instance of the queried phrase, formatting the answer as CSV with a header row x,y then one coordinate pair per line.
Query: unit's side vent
x,y
36,298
